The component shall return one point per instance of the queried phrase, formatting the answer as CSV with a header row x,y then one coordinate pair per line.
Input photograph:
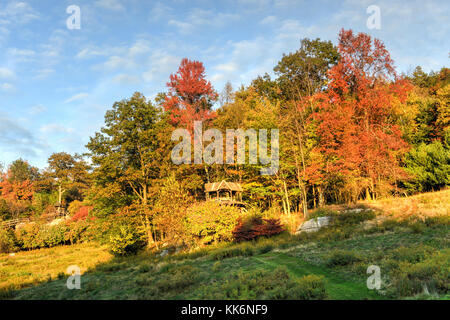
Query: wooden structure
x,y
14,222
226,192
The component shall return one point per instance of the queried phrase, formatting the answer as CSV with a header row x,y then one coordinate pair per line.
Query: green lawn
x,y
407,258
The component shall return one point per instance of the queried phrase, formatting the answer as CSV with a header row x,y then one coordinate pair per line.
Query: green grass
x,y
129,280
331,264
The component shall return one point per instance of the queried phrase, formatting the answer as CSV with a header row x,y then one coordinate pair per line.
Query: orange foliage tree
x,y
358,138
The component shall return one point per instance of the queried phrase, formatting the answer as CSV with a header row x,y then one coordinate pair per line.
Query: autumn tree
x,y
358,138
69,174
17,187
20,170
18,183
129,154
191,96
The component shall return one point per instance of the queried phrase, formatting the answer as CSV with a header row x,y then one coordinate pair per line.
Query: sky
x,y
56,82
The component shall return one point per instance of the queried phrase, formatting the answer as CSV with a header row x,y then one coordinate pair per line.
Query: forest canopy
x,y
350,127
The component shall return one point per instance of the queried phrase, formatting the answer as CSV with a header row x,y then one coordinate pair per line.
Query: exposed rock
x,y
373,222
164,253
356,210
314,225
56,222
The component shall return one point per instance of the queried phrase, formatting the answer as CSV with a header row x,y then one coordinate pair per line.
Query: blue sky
x,y
57,83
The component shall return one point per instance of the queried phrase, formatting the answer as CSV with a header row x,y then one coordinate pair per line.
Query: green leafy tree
x,y
130,154
430,166
69,173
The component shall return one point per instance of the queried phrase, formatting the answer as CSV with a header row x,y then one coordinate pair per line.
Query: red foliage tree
x,y
190,96
358,137
16,190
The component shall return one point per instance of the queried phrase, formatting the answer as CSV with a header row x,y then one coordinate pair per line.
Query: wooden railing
x,y
14,222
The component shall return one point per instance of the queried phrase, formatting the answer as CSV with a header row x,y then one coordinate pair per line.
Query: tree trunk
x,y
288,206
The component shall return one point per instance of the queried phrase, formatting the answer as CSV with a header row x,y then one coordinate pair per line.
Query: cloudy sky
x,y
56,83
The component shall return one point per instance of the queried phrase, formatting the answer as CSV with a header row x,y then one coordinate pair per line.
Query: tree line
x,y
350,128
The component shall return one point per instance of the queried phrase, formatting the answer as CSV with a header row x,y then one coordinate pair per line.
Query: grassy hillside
x,y
412,251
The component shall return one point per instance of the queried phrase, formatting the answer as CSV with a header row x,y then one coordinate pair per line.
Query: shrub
x,y
7,241
352,218
342,258
81,213
232,252
418,270
417,227
209,222
310,287
442,220
265,248
125,240
51,236
254,227
28,236
259,284
178,278
412,254
76,231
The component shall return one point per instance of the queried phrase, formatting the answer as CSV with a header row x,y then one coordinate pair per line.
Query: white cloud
x,y
113,5
159,66
17,12
6,73
160,11
37,109
78,96
44,73
7,87
55,128
16,140
21,54
126,79
90,52
203,18
269,20
227,67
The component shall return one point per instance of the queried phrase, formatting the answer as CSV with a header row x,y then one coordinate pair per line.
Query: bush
x,y
34,236
342,258
255,227
125,240
28,236
209,222
309,287
77,232
7,241
232,252
418,269
51,236
178,278
259,284
412,254
81,213
353,218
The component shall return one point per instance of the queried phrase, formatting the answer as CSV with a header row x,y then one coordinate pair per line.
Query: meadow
x,y
412,251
